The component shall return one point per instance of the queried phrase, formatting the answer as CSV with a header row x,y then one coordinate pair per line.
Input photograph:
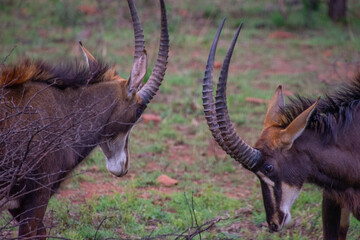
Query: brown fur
x,y
73,121
26,70
315,141
305,141
61,76
52,117
333,113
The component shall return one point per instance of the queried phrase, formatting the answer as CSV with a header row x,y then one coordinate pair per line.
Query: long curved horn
x,y
242,152
208,98
148,91
217,115
138,31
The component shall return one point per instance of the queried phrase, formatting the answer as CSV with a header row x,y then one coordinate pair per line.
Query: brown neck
x,y
89,110
334,165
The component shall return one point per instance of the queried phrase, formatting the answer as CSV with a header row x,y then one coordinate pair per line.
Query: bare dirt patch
x,y
181,152
89,189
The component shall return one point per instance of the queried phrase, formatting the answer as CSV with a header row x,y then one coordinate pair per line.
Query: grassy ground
x,y
313,55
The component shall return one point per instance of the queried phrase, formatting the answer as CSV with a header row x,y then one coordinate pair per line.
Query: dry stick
x,y
189,233
188,230
192,204
51,143
149,236
192,218
51,139
6,57
97,229
202,228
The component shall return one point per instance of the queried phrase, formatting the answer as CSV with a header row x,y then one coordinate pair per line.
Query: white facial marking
x,y
267,180
270,185
289,195
117,162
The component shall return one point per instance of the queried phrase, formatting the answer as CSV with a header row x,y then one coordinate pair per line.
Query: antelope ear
x,y
276,102
90,60
296,127
138,72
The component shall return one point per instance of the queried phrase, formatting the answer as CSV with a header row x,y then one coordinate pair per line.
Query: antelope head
x,y
273,158
131,97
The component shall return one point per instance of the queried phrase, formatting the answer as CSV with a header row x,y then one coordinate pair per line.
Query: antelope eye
x,y
268,168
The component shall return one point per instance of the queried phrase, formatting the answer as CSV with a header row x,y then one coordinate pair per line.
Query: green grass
x,y
133,214
181,145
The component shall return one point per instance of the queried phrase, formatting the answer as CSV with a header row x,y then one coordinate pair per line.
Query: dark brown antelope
x,y
52,117
309,140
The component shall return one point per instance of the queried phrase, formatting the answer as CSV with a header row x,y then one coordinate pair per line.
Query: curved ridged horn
x,y
148,91
234,145
138,31
208,98
243,153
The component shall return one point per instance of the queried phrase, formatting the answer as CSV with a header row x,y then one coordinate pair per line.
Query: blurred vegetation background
x,y
294,43
59,24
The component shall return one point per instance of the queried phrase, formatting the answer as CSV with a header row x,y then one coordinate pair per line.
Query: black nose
x,y
123,174
274,227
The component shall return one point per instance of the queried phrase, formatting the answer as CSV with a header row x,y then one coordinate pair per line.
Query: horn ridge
x,y
148,91
238,149
207,92
138,31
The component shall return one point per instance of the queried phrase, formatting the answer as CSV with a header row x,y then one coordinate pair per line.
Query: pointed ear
x,y
276,102
138,72
90,60
296,127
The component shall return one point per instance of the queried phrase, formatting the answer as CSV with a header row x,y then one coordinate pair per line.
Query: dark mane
x,y
334,112
61,76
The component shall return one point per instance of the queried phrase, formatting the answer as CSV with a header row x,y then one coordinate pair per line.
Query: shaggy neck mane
x,y
60,76
333,113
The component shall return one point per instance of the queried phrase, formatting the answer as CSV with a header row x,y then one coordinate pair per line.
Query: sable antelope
x,y
308,140
52,117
